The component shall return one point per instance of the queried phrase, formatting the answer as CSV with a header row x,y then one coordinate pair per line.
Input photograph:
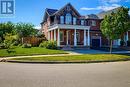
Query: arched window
x,y
62,19
68,18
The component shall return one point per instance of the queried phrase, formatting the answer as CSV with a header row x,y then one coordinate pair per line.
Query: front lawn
x,y
19,51
76,58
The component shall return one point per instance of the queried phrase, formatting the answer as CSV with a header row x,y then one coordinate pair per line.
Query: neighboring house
x,y
68,27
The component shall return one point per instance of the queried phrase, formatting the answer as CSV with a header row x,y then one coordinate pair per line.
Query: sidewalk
x,y
70,53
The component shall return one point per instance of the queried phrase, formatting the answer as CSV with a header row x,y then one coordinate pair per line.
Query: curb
x,y
65,62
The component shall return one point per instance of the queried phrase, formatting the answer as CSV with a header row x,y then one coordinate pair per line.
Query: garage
x,y
95,43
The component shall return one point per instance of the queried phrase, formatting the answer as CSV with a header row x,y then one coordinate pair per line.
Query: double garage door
x,y
95,43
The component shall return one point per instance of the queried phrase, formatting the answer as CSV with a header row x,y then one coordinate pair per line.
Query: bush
x,y
26,45
128,43
49,44
15,43
122,43
2,46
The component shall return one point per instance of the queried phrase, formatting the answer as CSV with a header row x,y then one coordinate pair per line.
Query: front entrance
x,y
95,43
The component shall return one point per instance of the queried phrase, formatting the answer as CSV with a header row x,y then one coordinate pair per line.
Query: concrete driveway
x,y
88,51
92,51
65,75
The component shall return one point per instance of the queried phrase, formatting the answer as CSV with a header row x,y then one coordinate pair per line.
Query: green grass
x,y
77,58
17,51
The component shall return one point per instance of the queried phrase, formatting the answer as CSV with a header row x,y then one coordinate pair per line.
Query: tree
x,y
115,25
25,29
6,28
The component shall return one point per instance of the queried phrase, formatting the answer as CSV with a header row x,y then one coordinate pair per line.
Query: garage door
x,y
95,43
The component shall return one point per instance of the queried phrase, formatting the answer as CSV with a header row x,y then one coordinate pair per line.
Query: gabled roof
x,y
51,11
92,16
101,15
65,7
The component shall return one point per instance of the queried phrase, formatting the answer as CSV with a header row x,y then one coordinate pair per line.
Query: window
x,y
74,21
61,36
62,19
82,22
93,23
78,36
68,18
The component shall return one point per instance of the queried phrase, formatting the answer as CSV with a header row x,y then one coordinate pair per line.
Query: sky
x,y
32,11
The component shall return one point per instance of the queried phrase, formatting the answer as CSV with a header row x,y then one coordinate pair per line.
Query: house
x,y
69,28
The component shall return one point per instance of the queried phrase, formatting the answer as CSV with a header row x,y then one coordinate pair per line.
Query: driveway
x,y
92,51
88,51
65,75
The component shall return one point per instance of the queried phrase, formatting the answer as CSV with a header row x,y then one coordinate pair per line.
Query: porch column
x,y
88,37
85,42
75,39
52,35
55,35
58,38
100,41
48,35
67,37
127,36
119,42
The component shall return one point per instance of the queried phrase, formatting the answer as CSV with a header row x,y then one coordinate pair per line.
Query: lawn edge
x,y
66,62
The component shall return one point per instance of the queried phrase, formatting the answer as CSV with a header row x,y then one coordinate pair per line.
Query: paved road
x,y
65,75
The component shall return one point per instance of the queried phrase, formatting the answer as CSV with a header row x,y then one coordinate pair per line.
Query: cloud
x,y
37,27
109,1
104,8
127,1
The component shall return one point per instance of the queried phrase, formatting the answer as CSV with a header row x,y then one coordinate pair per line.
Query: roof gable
x,y
65,8
51,11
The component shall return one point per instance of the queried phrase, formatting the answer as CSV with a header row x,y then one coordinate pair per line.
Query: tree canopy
x,y
116,24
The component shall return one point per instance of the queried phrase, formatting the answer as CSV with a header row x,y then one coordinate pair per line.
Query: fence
x,y
34,41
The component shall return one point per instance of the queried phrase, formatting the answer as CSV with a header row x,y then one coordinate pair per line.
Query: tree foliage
x,y
25,29
116,24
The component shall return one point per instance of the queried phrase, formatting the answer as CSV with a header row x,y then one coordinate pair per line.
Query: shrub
x,y
128,43
26,45
49,44
2,46
15,43
122,43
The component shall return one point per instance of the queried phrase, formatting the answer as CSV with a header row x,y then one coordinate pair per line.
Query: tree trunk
x,y
110,46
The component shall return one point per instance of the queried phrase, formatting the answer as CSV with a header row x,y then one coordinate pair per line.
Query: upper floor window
x,y
68,19
93,23
74,21
82,22
62,19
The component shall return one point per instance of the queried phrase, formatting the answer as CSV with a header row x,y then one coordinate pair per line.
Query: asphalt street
x,y
116,74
